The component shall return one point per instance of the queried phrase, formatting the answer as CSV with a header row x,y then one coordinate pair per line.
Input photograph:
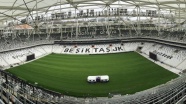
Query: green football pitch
x,y
67,74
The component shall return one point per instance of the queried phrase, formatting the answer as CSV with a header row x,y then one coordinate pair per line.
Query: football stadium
x,y
92,52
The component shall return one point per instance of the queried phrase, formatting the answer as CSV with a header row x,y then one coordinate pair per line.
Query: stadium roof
x,y
10,9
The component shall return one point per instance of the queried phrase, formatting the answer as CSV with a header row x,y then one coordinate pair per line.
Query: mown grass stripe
x,y
128,72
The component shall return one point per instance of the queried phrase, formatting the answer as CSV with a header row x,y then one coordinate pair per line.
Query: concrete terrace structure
x,y
42,27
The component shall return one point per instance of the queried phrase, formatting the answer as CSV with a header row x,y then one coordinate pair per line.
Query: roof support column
x,y
61,30
76,24
158,21
72,31
183,27
37,28
107,23
179,16
138,21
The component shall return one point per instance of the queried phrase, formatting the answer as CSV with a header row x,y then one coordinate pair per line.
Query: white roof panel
x,y
20,7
